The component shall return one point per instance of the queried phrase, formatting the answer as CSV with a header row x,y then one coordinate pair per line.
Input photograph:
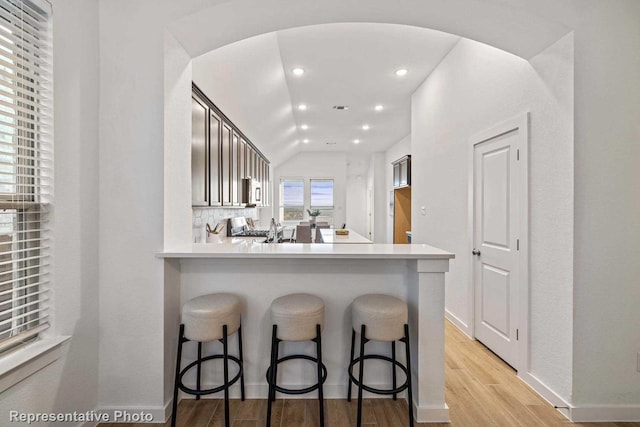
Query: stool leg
x,y
241,363
271,378
360,377
393,357
199,368
174,412
409,393
225,350
353,344
319,357
276,354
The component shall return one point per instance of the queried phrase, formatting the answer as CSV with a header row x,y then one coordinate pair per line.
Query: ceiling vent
x,y
330,143
340,107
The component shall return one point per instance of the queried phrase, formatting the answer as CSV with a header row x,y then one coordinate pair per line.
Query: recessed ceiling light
x,y
356,141
365,127
401,72
298,71
379,107
306,141
304,127
302,107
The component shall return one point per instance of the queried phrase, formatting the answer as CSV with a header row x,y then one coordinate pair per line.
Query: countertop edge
x,y
336,251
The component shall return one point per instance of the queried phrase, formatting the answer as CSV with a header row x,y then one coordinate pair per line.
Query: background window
x,y
322,198
292,200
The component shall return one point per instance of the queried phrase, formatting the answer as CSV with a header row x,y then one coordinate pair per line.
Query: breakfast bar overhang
x,y
338,273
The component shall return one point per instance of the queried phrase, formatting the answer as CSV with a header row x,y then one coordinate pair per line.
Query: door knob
x,y
475,252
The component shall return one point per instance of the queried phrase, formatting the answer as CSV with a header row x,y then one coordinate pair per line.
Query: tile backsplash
x,y
212,216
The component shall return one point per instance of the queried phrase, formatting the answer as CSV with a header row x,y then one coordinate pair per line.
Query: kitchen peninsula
x,y
337,273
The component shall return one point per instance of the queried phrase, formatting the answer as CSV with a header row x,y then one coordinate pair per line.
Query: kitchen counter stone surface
x,y
246,248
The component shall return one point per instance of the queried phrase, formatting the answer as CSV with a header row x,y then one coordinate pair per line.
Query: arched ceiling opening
x,y
278,131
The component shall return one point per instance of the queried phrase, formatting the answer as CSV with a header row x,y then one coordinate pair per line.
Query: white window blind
x,y
291,200
322,198
26,168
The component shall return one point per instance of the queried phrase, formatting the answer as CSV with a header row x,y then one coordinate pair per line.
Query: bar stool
x,y
380,318
211,317
296,317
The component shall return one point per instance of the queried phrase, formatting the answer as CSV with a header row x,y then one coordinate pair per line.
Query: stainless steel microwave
x,y
251,192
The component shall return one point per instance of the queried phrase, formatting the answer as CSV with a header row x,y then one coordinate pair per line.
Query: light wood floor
x,y
481,390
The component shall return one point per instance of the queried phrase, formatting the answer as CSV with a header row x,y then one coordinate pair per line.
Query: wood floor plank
x,y
312,413
201,413
342,416
277,411
251,410
293,412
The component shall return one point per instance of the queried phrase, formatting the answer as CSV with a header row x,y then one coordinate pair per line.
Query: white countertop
x,y
329,236
244,248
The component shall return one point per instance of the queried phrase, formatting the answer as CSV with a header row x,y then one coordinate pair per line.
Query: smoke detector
x,y
340,107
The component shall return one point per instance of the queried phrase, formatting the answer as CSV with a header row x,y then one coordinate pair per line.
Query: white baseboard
x,y
611,413
458,323
546,393
431,415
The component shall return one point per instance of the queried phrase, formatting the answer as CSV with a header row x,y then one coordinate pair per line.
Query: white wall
x,y
393,153
356,214
376,183
71,383
132,84
316,164
607,205
474,88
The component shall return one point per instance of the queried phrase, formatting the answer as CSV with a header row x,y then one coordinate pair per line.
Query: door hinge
x,y
517,334
518,154
517,244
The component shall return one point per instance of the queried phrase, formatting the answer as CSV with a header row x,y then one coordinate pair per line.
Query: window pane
x,y
293,213
293,193
321,193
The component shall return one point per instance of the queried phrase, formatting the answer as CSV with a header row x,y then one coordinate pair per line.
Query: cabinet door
x,y
199,185
403,173
259,178
225,165
396,175
266,189
254,164
242,166
215,125
242,158
235,169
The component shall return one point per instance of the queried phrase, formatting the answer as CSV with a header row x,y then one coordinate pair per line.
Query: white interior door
x,y
496,223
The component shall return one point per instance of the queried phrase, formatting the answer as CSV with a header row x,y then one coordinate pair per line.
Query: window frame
x,y
323,208
282,205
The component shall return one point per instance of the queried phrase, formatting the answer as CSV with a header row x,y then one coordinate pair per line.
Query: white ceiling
x,y
345,64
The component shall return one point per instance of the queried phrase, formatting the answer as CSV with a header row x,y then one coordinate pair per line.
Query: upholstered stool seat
x,y
212,317
204,316
380,318
384,315
296,317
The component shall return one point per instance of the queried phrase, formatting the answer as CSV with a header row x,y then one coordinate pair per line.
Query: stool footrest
x,y
373,389
210,390
300,390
